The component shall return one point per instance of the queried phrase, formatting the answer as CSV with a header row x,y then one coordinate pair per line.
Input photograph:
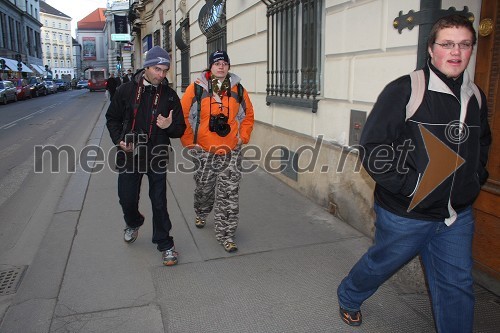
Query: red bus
x,y
97,79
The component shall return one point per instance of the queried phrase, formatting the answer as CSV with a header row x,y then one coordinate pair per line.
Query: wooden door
x,y
486,246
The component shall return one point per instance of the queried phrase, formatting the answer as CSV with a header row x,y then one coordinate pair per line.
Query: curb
x,y
39,289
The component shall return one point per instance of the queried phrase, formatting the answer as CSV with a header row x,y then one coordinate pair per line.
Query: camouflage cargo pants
x,y
217,180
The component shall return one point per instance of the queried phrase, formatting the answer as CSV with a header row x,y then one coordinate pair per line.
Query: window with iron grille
x,y
212,22
38,45
19,31
294,52
12,34
3,32
29,36
182,40
156,38
167,36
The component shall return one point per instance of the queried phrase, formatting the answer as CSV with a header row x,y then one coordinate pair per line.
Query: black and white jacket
x,y
395,156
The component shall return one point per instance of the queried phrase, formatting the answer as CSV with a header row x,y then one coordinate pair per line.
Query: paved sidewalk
x,y
292,255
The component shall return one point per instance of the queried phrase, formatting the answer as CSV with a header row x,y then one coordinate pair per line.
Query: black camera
x,y
219,125
136,138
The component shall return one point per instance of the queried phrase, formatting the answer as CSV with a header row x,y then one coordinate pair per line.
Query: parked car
x,y
8,92
62,85
51,86
37,86
23,89
83,84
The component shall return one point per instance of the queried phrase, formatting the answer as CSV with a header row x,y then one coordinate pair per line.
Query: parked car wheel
x,y
4,100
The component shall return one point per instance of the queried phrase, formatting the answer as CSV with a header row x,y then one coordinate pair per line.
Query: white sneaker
x,y
130,235
170,257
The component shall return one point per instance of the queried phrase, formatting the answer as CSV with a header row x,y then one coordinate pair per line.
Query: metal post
x,y
425,29
121,61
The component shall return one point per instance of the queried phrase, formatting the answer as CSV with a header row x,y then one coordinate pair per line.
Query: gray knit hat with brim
x,y
157,56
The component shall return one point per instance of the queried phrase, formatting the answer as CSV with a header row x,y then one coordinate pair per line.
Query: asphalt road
x,y
28,198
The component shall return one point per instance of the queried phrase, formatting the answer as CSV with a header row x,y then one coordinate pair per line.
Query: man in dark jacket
x,y
428,171
127,76
111,85
141,119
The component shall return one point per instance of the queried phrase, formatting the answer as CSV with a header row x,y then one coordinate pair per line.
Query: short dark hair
x,y
451,21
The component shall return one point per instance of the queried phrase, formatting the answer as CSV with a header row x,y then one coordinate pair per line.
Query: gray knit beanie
x,y
157,56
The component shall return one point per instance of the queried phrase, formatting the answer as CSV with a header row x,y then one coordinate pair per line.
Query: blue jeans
x,y
446,254
129,188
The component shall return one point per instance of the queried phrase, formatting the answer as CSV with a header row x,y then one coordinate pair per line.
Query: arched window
x,y
182,41
212,22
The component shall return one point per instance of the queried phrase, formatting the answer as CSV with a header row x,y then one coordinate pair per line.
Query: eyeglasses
x,y
451,45
159,70
221,63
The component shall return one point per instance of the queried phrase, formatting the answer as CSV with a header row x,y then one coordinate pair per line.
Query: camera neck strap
x,y
137,102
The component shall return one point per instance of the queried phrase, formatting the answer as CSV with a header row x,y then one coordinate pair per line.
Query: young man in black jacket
x,y
141,119
428,171
111,85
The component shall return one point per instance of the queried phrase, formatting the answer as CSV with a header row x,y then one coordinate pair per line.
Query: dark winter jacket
x,y
120,117
397,176
111,84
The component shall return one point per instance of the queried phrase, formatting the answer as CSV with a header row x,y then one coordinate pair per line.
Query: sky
x,y
76,9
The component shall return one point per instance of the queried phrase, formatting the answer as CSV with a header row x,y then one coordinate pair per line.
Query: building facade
x,y
118,37
57,43
20,37
77,59
151,24
314,69
91,35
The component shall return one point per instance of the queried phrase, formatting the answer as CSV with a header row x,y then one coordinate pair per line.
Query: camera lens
x,y
223,129
219,125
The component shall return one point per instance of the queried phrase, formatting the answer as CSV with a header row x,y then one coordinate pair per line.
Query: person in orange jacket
x,y
215,133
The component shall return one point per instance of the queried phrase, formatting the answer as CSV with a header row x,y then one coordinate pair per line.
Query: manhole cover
x,y
10,279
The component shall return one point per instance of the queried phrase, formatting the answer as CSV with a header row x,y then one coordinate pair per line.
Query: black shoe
x,y
351,318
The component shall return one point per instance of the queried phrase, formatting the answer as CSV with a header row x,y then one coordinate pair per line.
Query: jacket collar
x,y
202,81
138,76
438,85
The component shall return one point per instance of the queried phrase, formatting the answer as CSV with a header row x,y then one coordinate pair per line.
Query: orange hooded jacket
x,y
240,117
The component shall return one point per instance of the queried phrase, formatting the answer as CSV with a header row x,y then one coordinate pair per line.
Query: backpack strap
x,y
475,89
198,91
417,92
240,93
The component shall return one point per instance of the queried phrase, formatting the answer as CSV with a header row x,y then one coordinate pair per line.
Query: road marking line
x,y
9,125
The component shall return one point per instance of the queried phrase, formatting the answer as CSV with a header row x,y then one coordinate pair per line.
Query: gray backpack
x,y
418,90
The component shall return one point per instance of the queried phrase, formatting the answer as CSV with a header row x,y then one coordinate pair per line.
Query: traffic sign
x,y
121,37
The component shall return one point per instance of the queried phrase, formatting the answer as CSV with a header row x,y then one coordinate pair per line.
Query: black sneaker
x,y
130,235
351,318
